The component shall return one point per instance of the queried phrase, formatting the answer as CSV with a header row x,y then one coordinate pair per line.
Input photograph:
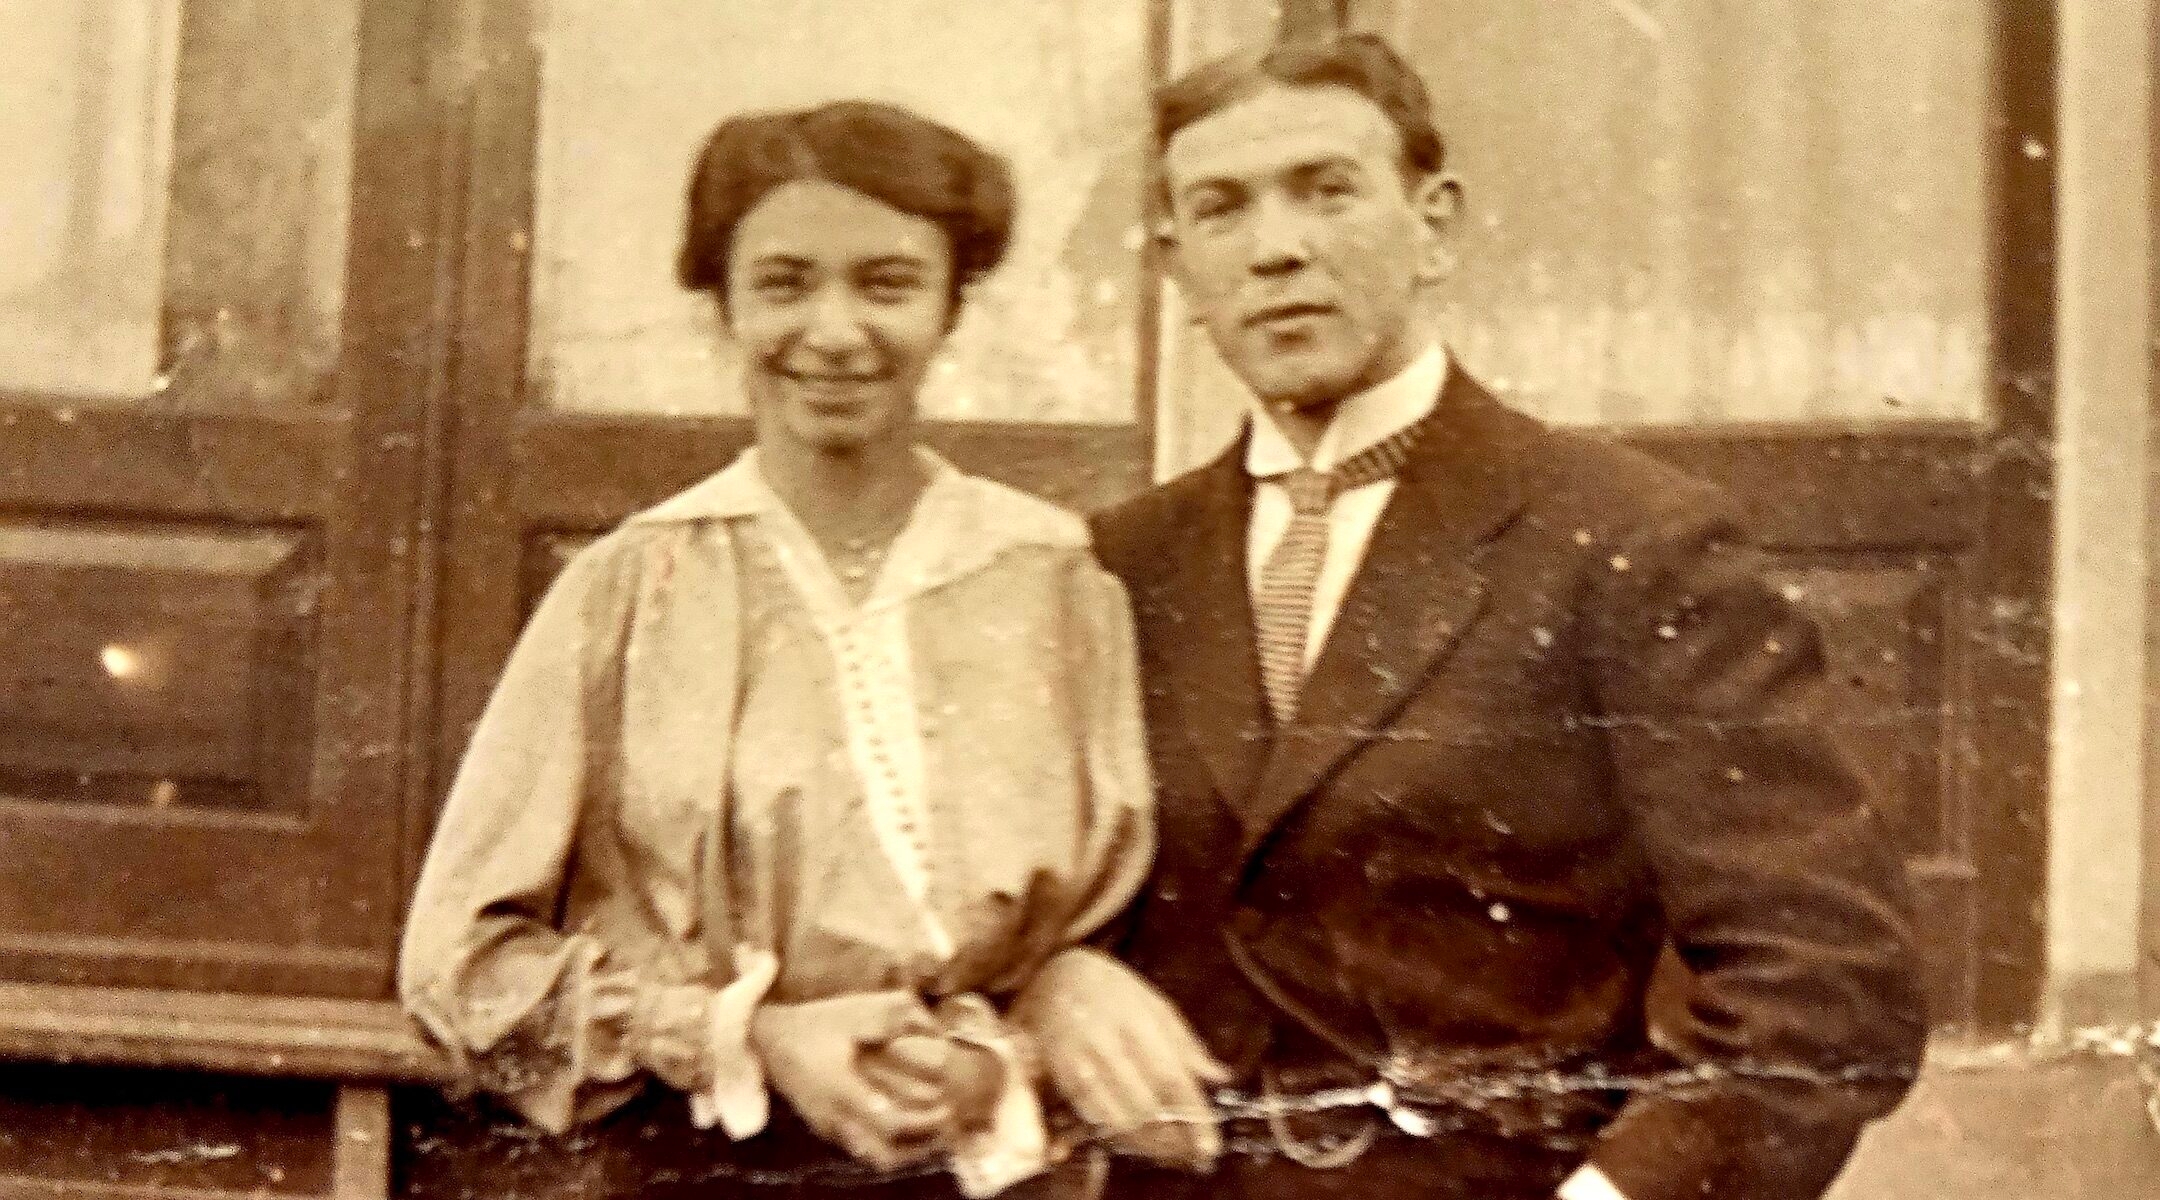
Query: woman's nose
x,y
834,322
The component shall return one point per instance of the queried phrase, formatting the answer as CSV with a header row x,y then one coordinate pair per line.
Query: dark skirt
x,y
649,1150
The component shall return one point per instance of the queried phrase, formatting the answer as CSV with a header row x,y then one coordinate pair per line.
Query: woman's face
x,y
839,302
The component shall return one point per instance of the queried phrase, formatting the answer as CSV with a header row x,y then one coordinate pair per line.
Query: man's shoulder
x,y
1134,532
1593,480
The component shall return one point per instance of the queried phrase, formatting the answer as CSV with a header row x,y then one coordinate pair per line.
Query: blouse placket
x,y
874,668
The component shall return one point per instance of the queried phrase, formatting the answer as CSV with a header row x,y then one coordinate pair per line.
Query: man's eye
x,y
1334,188
1212,205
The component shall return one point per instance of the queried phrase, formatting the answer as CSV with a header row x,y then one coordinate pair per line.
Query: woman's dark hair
x,y
883,151
1361,62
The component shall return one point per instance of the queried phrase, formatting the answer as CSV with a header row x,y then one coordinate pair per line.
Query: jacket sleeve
x,y
541,1016
1799,1016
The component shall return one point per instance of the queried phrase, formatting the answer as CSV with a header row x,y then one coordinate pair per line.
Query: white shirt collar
x,y
1361,420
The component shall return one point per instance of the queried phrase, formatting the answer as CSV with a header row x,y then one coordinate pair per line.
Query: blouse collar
x,y
961,523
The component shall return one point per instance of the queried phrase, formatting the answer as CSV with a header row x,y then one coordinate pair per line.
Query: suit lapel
x,y
1415,592
1209,661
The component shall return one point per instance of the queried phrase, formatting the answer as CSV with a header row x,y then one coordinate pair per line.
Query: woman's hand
x,y
970,1078
815,1053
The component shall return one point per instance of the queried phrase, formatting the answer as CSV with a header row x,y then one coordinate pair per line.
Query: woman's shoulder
x,y
1013,519
603,573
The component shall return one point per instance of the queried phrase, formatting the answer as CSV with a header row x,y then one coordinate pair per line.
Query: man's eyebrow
x,y
1329,162
1211,183
1297,170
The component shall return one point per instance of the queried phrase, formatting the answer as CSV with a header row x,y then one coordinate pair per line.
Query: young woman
x,y
795,781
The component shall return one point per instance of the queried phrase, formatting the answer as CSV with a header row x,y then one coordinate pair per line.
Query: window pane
x,y
173,217
1687,211
1707,210
261,197
630,88
85,124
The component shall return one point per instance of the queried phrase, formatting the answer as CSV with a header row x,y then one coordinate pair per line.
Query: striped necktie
x,y
1282,608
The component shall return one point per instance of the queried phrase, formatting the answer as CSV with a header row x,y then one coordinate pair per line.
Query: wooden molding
x,y
212,1031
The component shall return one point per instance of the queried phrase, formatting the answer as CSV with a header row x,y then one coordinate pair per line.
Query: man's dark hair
x,y
885,152
1361,62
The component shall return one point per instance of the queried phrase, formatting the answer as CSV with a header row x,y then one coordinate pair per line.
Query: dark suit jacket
x,y
1560,726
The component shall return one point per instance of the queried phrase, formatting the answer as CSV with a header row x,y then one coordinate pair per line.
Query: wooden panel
x,y
545,557
1815,486
1876,532
261,466
167,666
588,473
271,955
74,1128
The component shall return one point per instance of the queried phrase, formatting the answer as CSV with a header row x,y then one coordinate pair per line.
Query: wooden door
x,y
221,276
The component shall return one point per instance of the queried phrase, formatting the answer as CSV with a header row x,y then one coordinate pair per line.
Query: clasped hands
x,y
878,1074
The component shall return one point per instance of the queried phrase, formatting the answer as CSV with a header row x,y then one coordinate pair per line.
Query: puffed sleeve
x,y
1118,843
542,1017
1121,838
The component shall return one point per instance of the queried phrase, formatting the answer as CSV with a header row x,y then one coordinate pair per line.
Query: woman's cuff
x,y
734,1096
1015,1145
1589,1183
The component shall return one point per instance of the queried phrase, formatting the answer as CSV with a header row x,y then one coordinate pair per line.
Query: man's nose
x,y
834,323
1280,240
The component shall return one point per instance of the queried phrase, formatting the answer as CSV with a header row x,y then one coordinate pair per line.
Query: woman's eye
x,y
778,289
890,289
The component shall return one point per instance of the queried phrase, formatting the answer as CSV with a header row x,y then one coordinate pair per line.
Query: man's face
x,y
839,302
1300,243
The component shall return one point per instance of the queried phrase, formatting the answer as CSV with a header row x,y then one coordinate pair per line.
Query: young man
x,y
1461,724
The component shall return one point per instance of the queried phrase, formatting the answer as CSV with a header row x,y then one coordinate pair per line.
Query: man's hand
x,y
813,1053
1123,1058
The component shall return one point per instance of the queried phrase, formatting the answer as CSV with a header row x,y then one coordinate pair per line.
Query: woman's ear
x,y
956,299
717,312
1438,199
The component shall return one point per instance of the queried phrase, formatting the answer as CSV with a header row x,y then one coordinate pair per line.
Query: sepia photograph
x,y
1079,600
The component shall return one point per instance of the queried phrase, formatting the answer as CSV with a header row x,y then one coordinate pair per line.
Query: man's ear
x,y
1438,199
1163,241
